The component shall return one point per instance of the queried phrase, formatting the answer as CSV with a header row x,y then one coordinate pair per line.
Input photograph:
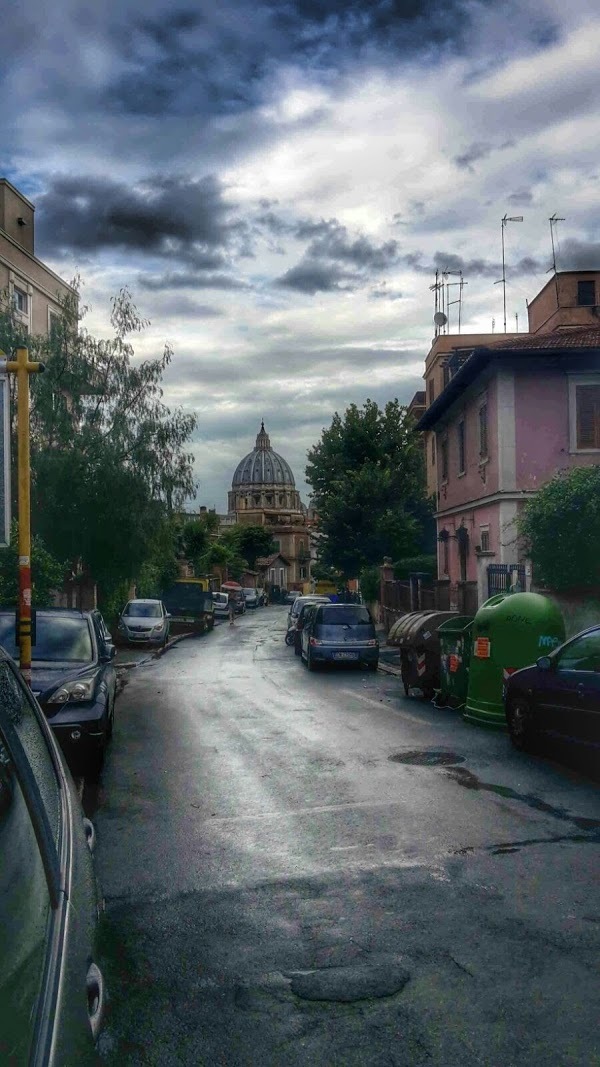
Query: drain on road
x,y
427,758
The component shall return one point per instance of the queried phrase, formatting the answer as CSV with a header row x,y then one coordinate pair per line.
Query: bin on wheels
x,y
417,638
455,656
510,631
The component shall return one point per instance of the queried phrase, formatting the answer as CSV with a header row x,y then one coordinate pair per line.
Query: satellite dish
x,y
440,319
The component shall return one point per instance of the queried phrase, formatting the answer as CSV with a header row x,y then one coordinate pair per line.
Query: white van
x,y
221,605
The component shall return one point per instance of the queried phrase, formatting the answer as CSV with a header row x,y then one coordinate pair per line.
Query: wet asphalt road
x,y
311,869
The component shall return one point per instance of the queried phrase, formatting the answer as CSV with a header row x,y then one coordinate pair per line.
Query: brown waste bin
x,y
419,644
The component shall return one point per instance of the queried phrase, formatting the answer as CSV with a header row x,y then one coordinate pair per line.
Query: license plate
x,y
345,655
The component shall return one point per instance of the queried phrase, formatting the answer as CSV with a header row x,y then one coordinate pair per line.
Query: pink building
x,y
511,415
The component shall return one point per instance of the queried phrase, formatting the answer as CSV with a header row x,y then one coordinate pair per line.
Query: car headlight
x,y
122,625
158,626
77,689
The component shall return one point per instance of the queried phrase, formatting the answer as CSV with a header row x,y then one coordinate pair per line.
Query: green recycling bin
x,y
455,650
510,631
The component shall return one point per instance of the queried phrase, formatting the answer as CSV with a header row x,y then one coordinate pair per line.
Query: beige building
x,y
34,290
263,493
570,298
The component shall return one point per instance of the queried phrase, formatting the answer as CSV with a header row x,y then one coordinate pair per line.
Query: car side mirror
x,y
544,663
167,615
108,654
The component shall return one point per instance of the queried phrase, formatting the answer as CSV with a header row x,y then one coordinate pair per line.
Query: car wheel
x,y
519,720
289,638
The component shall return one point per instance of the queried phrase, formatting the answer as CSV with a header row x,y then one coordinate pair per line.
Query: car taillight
x,y
315,641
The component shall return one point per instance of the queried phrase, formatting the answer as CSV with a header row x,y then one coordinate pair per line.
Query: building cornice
x,y
38,262
482,501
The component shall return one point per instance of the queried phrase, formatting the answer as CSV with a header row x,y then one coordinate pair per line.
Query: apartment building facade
x,y
34,291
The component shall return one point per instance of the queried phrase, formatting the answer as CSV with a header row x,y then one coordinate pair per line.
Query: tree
x,y
368,480
47,572
250,542
560,528
109,459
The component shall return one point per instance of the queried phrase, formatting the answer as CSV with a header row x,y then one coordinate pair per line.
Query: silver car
x,y
144,622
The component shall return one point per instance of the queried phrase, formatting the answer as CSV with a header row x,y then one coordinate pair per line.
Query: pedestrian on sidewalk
x,y
231,607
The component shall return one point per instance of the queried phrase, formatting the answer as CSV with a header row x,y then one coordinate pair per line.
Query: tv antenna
x,y
440,317
502,280
461,284
553,220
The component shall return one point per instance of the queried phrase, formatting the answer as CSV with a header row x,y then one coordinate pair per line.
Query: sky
x,y
277,182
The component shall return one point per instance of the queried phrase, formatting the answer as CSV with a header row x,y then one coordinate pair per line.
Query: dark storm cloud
x,y
312,277
573,254
475,152
475,267
335,259
189,280
522,196
165,216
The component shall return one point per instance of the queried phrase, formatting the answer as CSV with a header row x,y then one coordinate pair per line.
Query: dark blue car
x,y
559,695
73,678
339,633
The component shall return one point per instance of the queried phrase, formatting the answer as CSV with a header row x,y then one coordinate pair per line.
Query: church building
x,y
263,493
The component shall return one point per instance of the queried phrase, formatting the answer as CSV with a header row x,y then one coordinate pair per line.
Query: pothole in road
x,y
345,985
427,758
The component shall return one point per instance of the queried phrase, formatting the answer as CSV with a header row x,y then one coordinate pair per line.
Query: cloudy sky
x,y
277,182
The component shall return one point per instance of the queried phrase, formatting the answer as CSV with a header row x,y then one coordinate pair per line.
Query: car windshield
x,y
345,616
58,639
142,610
252,591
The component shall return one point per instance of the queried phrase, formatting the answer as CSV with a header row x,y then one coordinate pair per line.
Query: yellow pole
x,y
23,368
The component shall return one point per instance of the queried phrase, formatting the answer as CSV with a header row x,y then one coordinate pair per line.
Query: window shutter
x,y
588,416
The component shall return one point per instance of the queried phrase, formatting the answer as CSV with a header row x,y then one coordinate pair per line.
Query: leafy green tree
x,y
368,480
223,560
250,542
559,527
109,458
47,572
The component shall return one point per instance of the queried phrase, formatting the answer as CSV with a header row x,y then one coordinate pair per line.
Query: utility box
x,y
455,658
418,640
510,631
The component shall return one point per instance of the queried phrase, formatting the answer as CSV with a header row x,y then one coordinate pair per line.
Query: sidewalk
x,y
389,655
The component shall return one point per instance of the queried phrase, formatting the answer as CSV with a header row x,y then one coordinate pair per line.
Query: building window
x,y
431,390
462,456
586,293
444,450
587,417
483,431
277,545
446,374
302,573
446,555
433,450
485,538
20,301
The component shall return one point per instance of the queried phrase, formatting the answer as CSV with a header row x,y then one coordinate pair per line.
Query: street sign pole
x,y
22,367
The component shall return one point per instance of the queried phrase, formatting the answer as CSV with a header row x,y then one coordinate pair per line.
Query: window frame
x,y
566,650
484,535
589,283
484,442
461,435
445,459
430,391
575,382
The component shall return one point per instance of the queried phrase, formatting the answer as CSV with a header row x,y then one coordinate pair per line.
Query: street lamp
x,y
502,280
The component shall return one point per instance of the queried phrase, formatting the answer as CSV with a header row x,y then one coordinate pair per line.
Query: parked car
x,y
250,597
339,633
295,610
52,992
144,622
560,694
294,634
290,597
73,678
221,603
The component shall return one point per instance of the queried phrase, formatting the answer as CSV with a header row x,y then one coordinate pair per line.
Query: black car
x,y
73,678
339,633
52,994
559,695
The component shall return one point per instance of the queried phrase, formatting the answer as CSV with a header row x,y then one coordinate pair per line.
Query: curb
x,y
156,654
387,668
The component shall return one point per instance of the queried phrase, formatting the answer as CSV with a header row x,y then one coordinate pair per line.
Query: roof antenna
x,y
553,221
502,280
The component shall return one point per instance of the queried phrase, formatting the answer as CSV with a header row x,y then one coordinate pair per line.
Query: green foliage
x,y
224,558
416,564
47,572
370,584
560,529
368,479
250,542
109,459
